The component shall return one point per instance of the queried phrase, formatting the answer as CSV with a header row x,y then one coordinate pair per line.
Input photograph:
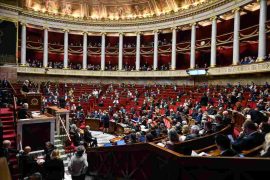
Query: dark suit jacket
x,y
204,101
191,136
87,136
248,142
54,169
22,114
27,164
6,152
77,139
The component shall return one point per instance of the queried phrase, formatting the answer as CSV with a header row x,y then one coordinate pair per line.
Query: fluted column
x,y
103,36
173,60
193,46
45,47
120,56
213,42
65,49
138,51
23,45
236,36
85,50
262,31
155,64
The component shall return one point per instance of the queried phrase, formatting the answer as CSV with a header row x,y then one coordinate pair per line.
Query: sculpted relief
x,y
107,9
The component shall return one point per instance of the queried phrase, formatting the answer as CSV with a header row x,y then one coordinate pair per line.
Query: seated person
x,y
194,133
249,138
173,138
266,146
88,138
132,138
207,129
23,112
224,145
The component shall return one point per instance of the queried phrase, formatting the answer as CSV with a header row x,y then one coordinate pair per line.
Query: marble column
x,y
173,60
138,50
120,55
236,36
262,31
23,45
65,49
103,38
45,47
213,42
155,64
193,46
85,50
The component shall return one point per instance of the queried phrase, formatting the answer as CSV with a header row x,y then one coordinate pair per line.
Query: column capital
x,y
138,32
103,33
193,24
156,31
213,18
237,9
65,30
45,27
23,23
174,28
121,33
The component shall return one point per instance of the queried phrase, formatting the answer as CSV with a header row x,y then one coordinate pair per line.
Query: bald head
x,y
27,149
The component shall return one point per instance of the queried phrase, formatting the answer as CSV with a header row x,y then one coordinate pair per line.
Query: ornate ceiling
x,y
111,9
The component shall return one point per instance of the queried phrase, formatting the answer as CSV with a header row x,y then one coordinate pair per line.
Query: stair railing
x,y
64,135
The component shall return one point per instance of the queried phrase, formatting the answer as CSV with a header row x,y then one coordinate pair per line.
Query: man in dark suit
x,y
249,138
204,100
77,137
88,138
25,87
23,112
6,151
49,147
224,145
194,132
257,116
27,163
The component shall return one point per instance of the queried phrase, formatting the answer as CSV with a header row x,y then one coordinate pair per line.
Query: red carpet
x,y
9,133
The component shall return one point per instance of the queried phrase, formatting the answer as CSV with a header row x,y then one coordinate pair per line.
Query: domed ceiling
x,y
111,9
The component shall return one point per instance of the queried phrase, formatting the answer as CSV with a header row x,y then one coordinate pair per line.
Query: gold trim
x,y
9,19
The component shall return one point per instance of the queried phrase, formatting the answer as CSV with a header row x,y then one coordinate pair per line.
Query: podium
x,y
34,101
34,132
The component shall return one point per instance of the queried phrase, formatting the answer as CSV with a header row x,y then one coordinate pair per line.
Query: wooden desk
x,y
35,131
93,123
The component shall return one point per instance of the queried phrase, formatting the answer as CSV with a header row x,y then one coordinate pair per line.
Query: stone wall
x,y
8,72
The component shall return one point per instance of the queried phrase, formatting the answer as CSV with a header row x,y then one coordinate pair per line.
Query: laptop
x,y
121,142
107,144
